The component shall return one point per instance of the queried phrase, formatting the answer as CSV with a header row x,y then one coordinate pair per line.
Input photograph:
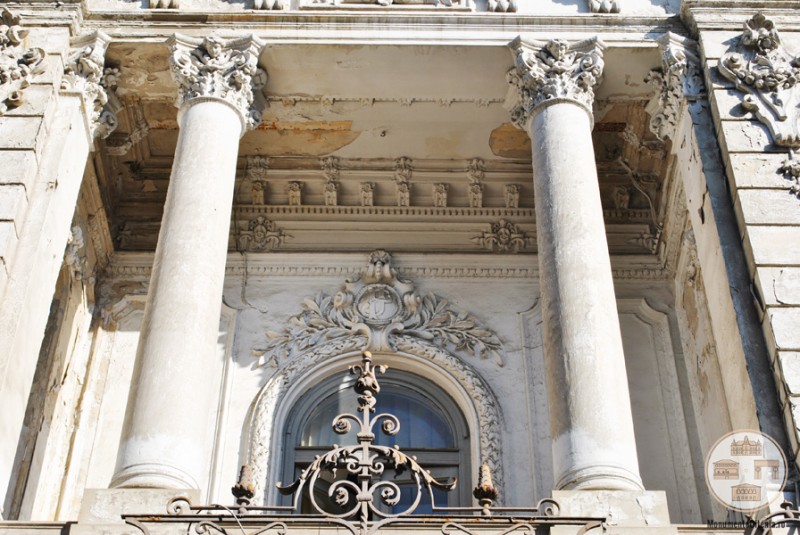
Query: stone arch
x,y
470,392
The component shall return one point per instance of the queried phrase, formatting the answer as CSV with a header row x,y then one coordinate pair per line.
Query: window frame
x,y
458,460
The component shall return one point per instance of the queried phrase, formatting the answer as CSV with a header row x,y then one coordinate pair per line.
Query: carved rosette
x,y
679,78
769,77
213,68
17,65
552,72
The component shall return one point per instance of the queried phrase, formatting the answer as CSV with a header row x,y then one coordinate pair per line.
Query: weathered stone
x,y
778,285
744,136
767,207
784,325
773,245
757,171
20,132
13,203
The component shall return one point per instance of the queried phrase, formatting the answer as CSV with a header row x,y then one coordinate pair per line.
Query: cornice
x,y
729,15
416,265
408,28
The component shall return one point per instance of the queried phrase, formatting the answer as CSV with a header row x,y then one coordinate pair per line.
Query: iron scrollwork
x,y
360,500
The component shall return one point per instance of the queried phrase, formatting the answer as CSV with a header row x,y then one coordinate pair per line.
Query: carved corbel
x,y
330,168
604,6
476,172
550,72
678,80
502,6
257,167
86,73
768,76
18,65
164,4
402,176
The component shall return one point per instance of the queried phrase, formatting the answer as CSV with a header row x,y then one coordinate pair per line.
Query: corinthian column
x,y
165,439
590,412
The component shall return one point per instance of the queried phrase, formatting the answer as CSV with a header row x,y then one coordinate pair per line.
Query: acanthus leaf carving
x,y
679,79
503,237
17,65
381,306
85,73
222,69
769,77
551,72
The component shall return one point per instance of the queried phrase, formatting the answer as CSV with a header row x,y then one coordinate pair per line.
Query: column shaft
x,y
181,322
591,422
590,412
167,436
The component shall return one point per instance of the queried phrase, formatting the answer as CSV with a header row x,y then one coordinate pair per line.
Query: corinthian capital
x,y
85,73
552,72
679,79
214,68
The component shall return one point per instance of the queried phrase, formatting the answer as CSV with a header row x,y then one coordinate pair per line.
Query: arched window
x,y
432,428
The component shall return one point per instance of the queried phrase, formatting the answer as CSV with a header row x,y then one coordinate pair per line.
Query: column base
x,y
623,508
106,506
153,476
600,478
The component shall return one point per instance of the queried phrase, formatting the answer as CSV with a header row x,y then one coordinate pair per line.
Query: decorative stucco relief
x,y
222,69
502,6
261,235
85,73
333,3
257,167
503,237
17,64
378,312
554,71
679,78
769,77
381,306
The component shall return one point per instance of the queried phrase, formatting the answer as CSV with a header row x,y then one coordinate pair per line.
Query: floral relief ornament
x,y
555,71
224,69
17,65
504,237
382,307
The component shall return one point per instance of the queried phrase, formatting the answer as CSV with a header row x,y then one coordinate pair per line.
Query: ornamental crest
x,y
383,309
769,77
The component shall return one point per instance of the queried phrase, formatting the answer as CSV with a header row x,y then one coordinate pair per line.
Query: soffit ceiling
x,y
368,105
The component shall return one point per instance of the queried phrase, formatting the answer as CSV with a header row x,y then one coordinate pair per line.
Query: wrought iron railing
x,y
362,499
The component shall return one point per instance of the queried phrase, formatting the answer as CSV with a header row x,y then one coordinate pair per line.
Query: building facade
x,y
568,227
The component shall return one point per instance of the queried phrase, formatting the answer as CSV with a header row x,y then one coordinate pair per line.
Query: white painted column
x,y
166,432
590,411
